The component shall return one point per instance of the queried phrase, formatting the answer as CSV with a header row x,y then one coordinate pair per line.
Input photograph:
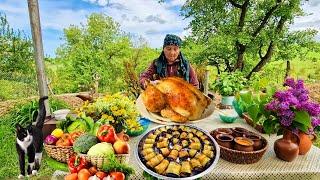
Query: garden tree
x,y
296,44
99,47
240,29
16,54
141,58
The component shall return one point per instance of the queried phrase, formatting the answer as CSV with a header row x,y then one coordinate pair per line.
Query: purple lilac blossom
x,y
295,98
290,82
315,122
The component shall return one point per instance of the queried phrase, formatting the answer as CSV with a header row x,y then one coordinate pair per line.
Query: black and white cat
x,y
29,142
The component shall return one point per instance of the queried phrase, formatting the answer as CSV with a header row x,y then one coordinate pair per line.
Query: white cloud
x,y
312,18
149,19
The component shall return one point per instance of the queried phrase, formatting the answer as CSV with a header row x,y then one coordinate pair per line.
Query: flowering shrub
x,y
292,109
117,109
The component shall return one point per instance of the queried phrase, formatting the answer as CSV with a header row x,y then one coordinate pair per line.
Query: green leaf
x,y
300,126
253,111
303,118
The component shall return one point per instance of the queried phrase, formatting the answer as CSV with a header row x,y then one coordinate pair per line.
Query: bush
x,y
228,84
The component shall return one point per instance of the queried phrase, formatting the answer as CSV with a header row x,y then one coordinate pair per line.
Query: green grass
x,y
8,154
15,90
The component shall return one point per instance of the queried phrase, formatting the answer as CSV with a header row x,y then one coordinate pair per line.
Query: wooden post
x,y
38,50
206,82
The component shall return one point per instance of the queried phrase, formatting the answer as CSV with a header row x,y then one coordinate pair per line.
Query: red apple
x,y
121,147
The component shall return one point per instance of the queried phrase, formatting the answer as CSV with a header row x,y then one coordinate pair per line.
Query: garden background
x,y
247,36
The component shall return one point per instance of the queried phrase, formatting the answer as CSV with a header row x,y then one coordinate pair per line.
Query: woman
x,y
171,62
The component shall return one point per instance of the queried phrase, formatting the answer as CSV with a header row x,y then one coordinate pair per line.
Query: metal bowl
x,y
156,175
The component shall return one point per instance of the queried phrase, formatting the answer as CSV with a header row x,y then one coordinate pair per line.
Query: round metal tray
x,y
156,175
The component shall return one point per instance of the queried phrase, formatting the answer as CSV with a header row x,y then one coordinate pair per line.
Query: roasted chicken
x,y
175,99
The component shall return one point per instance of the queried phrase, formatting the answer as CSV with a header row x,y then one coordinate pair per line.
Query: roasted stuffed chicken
x,y
175,99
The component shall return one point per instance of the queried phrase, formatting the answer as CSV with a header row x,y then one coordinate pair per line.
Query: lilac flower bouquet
x,y
292,109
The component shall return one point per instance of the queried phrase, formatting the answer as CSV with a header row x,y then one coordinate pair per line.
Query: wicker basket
x,y
59,153
100,160
242,157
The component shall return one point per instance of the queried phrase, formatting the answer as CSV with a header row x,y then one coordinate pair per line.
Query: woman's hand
x,y
155,82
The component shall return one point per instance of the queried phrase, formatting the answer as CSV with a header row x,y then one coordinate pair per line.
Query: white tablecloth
x,y
269,167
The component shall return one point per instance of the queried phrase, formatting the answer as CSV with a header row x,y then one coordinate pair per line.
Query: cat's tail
x,y
42,112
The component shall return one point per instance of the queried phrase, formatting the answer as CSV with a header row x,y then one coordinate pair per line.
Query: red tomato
x,y
117,175
101,174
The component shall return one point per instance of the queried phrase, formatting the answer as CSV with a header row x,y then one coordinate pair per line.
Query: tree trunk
x,y
241,48
287,69
263,60
240,52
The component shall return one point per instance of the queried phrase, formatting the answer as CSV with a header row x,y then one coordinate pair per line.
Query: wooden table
x,y
269,167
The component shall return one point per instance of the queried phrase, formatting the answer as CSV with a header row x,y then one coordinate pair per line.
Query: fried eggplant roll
x,y
185,143
199,133
176,133
173,155
157,132
177,147
208,153
183,154
146,146
173,169
161,168
152,136
204,160
150,156
155,160
149,141
207,142
185,169
183,135
175,140
147,151
195,139
192,152
190,135
207,147
195,145
195,164
165,151
163,144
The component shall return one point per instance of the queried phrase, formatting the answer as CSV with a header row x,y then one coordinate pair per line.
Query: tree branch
x,y
244,8
235,4
260,49
266,18
268,54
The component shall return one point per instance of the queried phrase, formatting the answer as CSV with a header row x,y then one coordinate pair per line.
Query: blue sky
x,y
146,18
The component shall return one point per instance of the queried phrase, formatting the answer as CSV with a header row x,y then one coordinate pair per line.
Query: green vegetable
x,y
78,125
101,149
89,123
57,165
65,123
114,165
84,143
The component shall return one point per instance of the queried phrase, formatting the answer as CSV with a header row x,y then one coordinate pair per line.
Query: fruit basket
x,y
100,160
228,150
177,152
59,153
